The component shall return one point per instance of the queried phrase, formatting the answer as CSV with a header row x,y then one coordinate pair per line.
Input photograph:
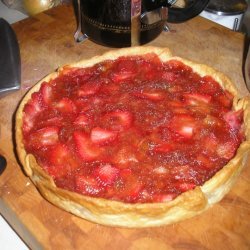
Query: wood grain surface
x,y
46,42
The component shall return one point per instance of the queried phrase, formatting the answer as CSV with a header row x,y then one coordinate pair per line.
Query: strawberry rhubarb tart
x,y
134,138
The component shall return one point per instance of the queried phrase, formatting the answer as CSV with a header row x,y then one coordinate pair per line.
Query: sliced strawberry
x,y
53,121
181,172
175,88
234,119
126,69
209,143
153,95
31,109
76,75
59,154
176,65
182,110
65,105
226,150
132,187
177,107
186,131
125,156
87,185
212,121
61,161
148,70
153,59
175,103
29,117
44,137
204,161
164,197
46,91
118,77
126,65
225,98
102,136
169,76
84,146
97,100
196,98
185,186
36,102
67,70
89,88
160,170
201,109
56,171
118,119
80,75
209,86
82,120
122,76
163,148
132,191
83,104
106,174
125,172
110,88
184,125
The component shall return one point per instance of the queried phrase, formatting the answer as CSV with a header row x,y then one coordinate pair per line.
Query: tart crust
x,y
115,213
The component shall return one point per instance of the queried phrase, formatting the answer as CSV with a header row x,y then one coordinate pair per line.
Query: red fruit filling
x,y
134,130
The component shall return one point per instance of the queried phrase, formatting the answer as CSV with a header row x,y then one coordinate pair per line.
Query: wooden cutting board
x,y
46,42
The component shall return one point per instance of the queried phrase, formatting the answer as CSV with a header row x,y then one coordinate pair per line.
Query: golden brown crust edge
x,y
115,213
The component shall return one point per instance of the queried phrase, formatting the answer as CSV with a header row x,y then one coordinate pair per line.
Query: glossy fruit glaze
x,y
134,129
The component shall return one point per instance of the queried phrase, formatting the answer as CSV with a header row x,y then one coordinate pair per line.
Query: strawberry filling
x,y
134,129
